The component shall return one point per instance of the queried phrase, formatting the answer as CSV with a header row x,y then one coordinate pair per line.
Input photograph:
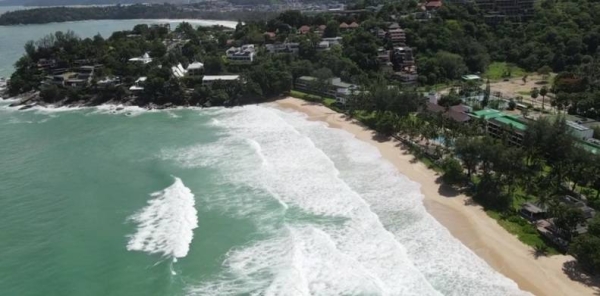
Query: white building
x,y
195,69
145,59
139,84
241,55
210,79
579,131
288,47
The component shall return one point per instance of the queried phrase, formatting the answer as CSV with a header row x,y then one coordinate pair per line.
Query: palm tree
x,y
534,94
543,93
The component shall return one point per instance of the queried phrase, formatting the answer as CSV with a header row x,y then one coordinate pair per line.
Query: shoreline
x,y
466,222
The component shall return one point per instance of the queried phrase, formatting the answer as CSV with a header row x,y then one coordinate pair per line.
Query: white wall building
x,y
210,79
146,59
242,55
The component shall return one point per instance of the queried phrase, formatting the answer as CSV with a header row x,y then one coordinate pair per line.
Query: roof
x,y
487,113
307,78
455,112
343,25
220,77
353,25
532,208
577,126
590,147
471,77
304,28
394,26
195,65
510,120
141,79
434,4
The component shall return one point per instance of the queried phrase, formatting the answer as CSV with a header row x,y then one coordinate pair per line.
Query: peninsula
x,y
504,107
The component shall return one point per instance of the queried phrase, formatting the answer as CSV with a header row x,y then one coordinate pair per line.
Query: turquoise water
x,y
243,201
13,38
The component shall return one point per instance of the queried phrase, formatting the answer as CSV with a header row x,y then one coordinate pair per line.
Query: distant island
x,y
121,12
81,2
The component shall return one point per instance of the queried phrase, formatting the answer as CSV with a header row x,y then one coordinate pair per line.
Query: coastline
x,y
468,223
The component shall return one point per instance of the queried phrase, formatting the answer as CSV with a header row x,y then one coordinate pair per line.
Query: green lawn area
x,y
497,69
524,231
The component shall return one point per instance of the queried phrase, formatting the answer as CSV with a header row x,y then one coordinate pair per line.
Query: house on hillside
x,y
144,59
332,88
241,55
210,79
138,86
286,47
304,30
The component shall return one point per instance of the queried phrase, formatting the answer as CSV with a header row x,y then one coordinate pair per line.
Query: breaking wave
x,y
165,226
332,217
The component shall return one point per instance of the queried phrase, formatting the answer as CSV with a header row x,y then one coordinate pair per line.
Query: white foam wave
x,y
288,166
349,224
165,226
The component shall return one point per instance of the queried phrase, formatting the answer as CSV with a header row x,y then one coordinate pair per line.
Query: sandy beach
x,y
468,223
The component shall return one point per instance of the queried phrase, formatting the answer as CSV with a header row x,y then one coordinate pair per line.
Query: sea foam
x,y
165,226
346,222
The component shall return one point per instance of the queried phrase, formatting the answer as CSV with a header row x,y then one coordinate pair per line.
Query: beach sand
x,y
468,223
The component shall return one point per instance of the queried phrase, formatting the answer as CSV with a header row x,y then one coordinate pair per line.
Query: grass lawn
x,y
524,231
497,69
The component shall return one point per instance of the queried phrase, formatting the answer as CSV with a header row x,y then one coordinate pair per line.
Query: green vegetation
x,y
523,230
501,70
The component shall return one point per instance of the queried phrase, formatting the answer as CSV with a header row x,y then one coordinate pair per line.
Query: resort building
x,y
579,131
145,59
328,43
433,4
402,57
514,10
287,47
533,212
194,69
396,35
457,113
210,79
138,85
241,55
304,30
332,88
109,82
501,125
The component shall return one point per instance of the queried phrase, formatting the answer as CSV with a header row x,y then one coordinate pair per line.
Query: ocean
x,y
243,201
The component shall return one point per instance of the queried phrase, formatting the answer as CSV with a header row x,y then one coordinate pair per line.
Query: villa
x,y
145,59
333,88
287,47
241,55
138,85
210,79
